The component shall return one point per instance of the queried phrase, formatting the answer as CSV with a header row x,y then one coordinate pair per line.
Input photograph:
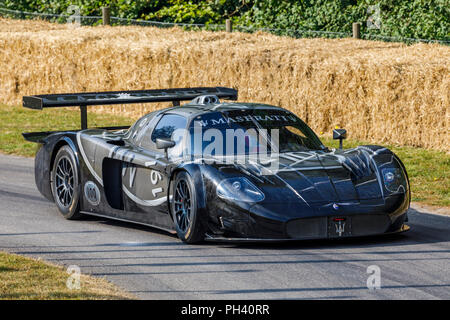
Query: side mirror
x,y
340,134
164,144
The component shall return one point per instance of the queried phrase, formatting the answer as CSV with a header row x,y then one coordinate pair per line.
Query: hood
x,y
315,177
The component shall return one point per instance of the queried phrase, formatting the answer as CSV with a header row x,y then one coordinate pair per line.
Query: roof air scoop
x,y
206,99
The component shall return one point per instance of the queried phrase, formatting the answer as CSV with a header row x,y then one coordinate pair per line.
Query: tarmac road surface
x,y
155,265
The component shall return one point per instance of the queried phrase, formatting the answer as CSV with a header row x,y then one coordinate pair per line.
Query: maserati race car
x,y
212,170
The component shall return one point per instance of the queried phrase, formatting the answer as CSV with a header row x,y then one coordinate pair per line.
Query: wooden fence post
x,y
357,30
106,16
228,26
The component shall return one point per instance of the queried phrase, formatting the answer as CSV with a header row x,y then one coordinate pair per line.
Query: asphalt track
x,y
155,265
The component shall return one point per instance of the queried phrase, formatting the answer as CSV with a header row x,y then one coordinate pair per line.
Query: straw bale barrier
x,y
380,92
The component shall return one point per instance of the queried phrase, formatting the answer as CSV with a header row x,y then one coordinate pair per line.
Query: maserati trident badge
x,y
340,227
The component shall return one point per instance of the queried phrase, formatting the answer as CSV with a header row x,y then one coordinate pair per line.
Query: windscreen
x,y
250,131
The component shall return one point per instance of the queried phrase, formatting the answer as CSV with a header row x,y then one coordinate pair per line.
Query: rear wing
x,y
122,97
83,100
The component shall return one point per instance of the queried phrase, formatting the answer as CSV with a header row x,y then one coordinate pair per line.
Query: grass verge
x,y
16,120
26,278
428,170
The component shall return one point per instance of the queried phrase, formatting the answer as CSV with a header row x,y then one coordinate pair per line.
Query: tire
x,y
65,184
185,210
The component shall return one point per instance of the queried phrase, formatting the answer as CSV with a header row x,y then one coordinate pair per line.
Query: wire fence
x,y
117,21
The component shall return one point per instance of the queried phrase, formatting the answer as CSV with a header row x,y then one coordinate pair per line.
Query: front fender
x,y
396,205
196,174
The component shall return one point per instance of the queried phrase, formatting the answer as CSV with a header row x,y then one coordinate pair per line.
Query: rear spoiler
x,y
83,100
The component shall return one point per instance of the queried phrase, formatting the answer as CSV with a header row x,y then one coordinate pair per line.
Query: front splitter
x,y
212,238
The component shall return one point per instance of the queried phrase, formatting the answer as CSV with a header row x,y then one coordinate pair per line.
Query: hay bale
x,y
380,92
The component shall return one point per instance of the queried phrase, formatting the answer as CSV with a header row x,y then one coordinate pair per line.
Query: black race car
x,y
217,171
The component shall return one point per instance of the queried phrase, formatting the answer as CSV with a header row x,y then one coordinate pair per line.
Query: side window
x,y
140,127
168,128
135,134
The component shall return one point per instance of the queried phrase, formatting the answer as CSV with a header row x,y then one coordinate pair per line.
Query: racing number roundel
x,y
92,193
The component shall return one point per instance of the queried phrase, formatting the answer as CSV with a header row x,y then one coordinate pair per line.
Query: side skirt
x,y
129,221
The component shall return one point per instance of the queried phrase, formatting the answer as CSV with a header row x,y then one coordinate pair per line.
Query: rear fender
x,y
44,159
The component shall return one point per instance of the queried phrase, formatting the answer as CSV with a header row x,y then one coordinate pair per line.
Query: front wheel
x,y
65,184
184,209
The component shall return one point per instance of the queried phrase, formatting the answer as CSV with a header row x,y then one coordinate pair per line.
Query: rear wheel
x,y
65,184
184,209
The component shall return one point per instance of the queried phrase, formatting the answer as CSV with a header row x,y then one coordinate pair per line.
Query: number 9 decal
x,y
155,177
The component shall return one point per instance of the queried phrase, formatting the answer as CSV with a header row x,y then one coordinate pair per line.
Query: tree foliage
x,y
425,19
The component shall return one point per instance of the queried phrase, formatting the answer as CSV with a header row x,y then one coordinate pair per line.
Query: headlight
x,y
240,189
394,180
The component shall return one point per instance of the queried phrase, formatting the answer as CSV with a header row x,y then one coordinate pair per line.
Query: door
x,y
145,180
